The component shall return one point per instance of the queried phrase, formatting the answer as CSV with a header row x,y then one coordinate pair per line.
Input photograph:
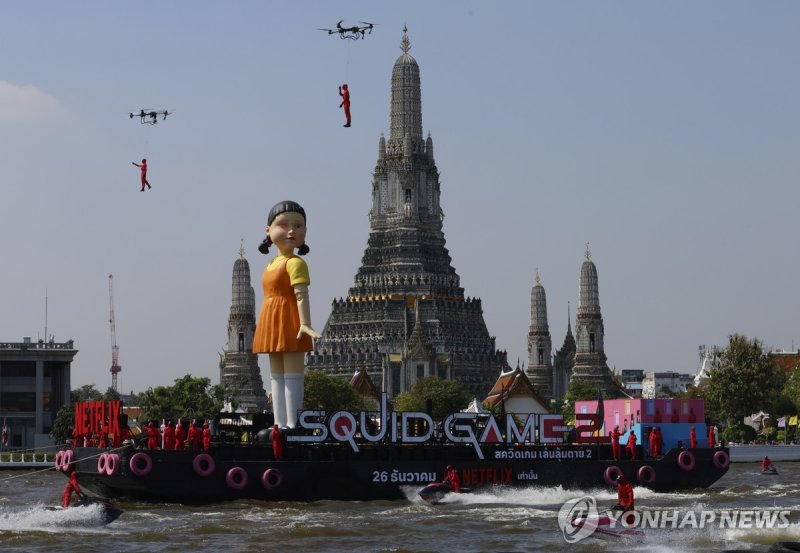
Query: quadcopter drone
x,y
149,117
355,32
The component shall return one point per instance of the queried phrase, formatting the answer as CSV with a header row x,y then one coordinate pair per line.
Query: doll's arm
x,y
304,308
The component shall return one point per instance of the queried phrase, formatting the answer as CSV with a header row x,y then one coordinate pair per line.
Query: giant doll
x,y
284,327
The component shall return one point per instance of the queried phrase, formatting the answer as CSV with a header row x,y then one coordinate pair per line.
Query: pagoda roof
x,y
363,384
513,384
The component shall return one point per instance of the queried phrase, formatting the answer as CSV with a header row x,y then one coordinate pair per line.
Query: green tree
x,y
792,388
61,431
742,380
739,433
188,397
783,405
87,392
447,397
329,393
579,390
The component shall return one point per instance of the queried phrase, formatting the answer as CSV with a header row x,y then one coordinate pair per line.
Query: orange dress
x,y
279,319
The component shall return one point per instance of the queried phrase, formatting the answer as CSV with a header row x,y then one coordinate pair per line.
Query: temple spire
x,y
422,325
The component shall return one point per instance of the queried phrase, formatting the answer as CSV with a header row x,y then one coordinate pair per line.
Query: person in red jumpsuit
x,y
631,445
180,436
169,436
143,166
692,438
77,441
615,434
659,441
206,437
624,498
451,477
152,435
192,437
345,94
712,437
124,434
766,463
277,443
103,436
72,486
652,439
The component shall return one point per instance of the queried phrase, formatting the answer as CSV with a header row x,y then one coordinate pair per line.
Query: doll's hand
x,y
308,331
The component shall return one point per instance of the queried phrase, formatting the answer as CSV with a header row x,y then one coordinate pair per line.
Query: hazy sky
x,y
665,134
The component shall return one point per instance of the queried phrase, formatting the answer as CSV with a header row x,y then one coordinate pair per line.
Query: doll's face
x,y
288,231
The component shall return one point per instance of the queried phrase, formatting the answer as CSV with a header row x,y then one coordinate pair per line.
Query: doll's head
x,y
277,209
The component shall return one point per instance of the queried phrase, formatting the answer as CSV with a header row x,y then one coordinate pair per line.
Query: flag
x,y
793,420
601,411
782,422
4,443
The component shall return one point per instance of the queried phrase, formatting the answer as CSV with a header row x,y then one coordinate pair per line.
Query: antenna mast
x,y
115,368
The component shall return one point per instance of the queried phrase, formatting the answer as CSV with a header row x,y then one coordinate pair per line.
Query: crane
x,y
115,368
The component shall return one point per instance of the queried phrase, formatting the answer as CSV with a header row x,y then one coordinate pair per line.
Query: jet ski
x,y
434,492
770,470
605,527
109,513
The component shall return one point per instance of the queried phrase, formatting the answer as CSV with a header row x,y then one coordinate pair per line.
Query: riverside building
x,y
34,385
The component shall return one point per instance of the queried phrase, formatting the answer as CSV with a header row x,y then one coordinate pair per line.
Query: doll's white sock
x,y
279,399
294,397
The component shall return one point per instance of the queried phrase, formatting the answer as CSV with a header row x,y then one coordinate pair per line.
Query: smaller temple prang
x,y
239,370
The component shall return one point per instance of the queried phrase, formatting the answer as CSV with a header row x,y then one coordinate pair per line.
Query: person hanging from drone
x,y
143,167
345,94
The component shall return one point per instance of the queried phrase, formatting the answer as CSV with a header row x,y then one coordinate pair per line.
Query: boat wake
x,y
43,518
532,496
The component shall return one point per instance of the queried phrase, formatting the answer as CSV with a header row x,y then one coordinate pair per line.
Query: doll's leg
x,y
294,378
276,368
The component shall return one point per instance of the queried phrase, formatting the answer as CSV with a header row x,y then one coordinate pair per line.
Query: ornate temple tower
x,y
239,365
590,358
563,362
406,316
540,345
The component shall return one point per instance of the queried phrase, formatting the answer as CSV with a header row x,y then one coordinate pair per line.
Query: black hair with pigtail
x,y
283,207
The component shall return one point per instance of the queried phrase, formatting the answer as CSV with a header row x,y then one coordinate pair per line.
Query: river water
x,y
505,521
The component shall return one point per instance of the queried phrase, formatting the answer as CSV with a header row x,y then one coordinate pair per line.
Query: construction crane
x,y
115,368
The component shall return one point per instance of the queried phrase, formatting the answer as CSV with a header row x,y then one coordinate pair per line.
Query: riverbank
x,y
18,460
754,453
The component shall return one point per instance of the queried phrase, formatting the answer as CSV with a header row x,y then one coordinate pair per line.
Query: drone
x,y
149,117
355,32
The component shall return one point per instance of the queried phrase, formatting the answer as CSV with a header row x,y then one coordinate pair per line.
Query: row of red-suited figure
x,y
99,439
656,442
173,437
